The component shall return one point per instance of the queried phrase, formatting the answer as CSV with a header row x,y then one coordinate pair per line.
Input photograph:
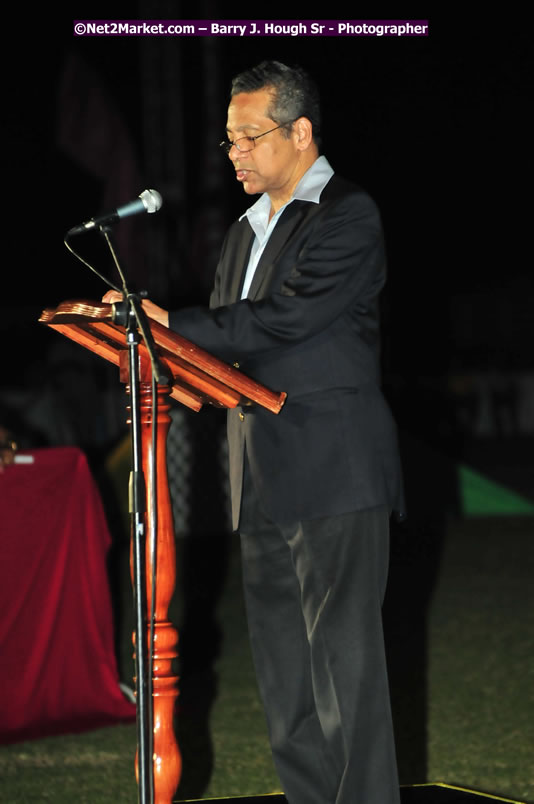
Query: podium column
x,y
167,762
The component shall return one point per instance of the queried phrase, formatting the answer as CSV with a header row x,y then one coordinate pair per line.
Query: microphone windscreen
x,y
152,200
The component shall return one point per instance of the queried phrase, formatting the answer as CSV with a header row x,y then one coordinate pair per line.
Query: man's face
x,y
272,166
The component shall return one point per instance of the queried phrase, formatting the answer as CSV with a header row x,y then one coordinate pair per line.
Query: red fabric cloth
x,y
58,670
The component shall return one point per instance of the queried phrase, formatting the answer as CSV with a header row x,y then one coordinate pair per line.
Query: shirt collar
x,y
309,188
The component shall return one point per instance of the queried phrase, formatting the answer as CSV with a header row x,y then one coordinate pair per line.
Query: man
x,y
295,307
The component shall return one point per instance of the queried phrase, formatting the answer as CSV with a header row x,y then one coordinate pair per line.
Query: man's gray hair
x,y
294,94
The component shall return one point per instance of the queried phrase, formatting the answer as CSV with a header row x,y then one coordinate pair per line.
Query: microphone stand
x,y
131,315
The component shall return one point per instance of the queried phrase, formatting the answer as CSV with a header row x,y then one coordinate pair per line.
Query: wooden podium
x,y
196,378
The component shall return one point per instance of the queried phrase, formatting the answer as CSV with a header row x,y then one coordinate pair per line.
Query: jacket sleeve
x,y
333,265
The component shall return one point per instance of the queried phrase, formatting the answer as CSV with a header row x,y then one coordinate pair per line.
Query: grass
x,y
478,690
481,665
82,768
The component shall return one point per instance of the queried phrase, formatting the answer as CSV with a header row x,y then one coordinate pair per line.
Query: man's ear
x,y
303,129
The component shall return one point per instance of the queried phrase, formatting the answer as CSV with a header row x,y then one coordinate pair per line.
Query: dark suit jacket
x,y
310,327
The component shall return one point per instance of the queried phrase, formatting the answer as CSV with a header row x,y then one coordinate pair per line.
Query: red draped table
x,y
58,670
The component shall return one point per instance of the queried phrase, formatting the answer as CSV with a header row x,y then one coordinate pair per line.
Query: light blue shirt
x,y
309,189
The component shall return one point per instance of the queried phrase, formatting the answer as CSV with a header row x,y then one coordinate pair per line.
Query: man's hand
x,y
152,310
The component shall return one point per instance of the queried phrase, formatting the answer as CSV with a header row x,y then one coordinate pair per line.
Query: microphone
x,y
148,201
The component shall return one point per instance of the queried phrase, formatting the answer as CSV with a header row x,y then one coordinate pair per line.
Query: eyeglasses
x,y
248,143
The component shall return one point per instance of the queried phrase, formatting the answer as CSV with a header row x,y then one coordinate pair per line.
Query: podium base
x,y
416,794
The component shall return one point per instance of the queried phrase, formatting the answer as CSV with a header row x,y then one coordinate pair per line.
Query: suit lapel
x,y
237,263
291,218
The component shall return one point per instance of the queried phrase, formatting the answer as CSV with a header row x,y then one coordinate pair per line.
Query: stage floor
x,y
417,794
